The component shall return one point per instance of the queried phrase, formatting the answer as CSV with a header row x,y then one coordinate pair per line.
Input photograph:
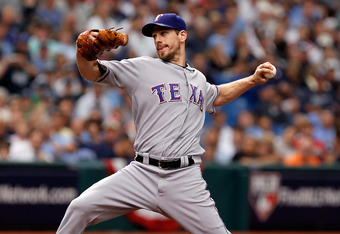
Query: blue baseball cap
x,y
169,20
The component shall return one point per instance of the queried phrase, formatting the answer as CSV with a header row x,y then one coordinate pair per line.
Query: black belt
x,y
165,164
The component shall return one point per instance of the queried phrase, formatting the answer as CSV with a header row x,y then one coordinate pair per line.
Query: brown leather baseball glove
x,y
106,40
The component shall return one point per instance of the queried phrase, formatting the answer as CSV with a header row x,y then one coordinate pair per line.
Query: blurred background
x,y
272,159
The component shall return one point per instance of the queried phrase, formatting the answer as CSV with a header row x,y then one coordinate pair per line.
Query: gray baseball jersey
x,y
168,104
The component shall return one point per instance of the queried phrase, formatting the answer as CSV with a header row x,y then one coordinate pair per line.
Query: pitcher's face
x,y
167,42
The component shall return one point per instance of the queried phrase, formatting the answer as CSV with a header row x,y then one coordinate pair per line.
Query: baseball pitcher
x,y
169,100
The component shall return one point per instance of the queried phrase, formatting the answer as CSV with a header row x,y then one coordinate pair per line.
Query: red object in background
x,y
152,221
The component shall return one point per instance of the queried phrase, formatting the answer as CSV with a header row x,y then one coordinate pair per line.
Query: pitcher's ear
x,y
183,34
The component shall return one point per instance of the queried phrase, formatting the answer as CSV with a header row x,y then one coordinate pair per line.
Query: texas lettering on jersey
x,y
196,95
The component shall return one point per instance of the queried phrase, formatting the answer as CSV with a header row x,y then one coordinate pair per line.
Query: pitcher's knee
x,y
78,206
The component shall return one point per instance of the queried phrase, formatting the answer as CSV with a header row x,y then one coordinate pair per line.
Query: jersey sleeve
x,y
123,74
212,93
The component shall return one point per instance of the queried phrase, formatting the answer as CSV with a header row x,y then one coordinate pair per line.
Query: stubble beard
x,y
169,55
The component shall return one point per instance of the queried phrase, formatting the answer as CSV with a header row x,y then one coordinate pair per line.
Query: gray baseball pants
x,y
179,194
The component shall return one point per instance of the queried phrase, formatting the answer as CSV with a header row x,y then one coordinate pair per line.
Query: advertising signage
x,y
294,200
35,197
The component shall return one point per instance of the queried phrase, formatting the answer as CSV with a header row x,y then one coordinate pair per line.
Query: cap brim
x,y
148,28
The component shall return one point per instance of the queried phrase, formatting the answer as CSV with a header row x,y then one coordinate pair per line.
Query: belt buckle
x,y
160,165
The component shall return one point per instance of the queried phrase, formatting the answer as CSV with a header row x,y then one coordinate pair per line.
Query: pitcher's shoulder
x,y
144,59
151,59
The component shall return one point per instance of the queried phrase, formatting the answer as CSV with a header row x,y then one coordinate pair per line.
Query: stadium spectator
x,y
93,137
17,73
224,142
303,155
247,151
324,128
20,149
265,152
6,43
284,142
10,18
101,17
139,45
111,133
5,113
76,12
123,148
66,107
257,152
95,101
306,130
42,46
67,83
62,145
37,140
48,12
66,45
247,121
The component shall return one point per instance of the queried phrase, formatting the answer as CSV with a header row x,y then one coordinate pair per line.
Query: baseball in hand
x,y
271,74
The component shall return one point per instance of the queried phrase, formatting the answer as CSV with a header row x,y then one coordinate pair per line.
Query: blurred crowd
x,y
49,113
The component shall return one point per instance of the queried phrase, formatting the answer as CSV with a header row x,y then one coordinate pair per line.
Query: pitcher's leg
x,y
189,203
111,197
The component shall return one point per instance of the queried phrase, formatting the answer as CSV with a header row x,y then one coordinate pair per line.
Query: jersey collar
x,y
187,65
